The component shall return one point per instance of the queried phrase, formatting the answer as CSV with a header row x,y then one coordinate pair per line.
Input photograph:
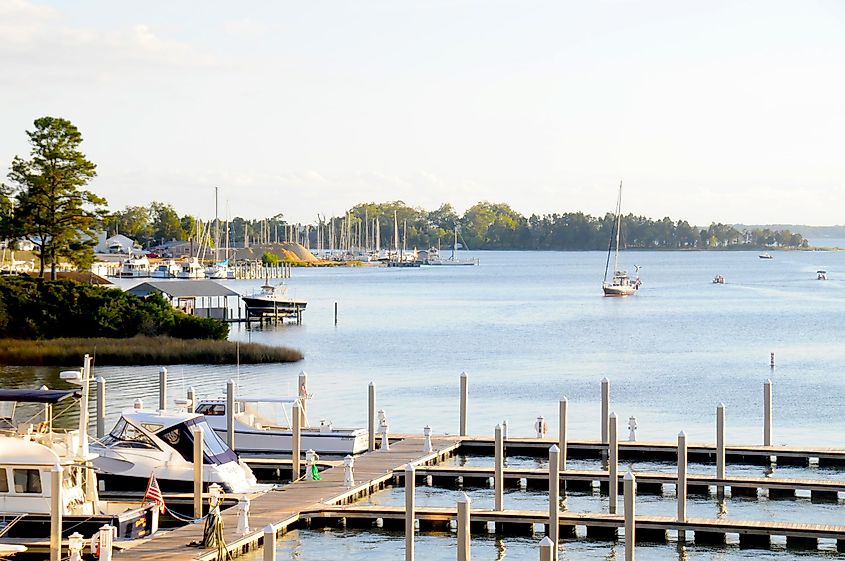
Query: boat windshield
x,y
181,438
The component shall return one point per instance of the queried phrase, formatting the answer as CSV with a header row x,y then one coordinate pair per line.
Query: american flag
x,y
154,493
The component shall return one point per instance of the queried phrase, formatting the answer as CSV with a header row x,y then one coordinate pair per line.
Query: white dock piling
x,y
269,543
76,543
101,407
505,430
162,389
56,506
464,550
681,486
605,408
303,392
104,541
138,403
383,429
767,412
410,514
720,443
198,478
499,469
540,427
243,516
427,448
348,475
296,435
230,413
464,403
554,497
613,465
191,396
630,489
546,549
371,415
563,419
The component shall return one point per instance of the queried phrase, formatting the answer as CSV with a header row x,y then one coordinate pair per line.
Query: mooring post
x,y
296,415
56,506
505,430
76,543
243,516
681,485
348,475
371,415
230,413
303,392
269,543
499,470
720,444
464,504
613,467
563,419
101,407
162,389
410,515
335,313
198,479
464,402
630,489
546,549
772,360
605,408
767,412
191,396
104,542
554,497
427,448
138,403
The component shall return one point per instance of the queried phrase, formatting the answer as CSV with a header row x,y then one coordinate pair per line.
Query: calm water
x,y
532,327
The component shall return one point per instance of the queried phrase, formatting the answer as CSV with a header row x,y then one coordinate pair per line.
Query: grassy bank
x,y
138,351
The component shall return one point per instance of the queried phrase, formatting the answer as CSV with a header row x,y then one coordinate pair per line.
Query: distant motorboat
x,y
718,279
166,270
273,300
765,255
190,268
821,275
134,267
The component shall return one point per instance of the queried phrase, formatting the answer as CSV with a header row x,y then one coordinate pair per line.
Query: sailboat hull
x,y
611,290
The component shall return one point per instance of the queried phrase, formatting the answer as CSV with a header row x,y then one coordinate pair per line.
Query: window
x,y
127,436
212,409
27,481
4,481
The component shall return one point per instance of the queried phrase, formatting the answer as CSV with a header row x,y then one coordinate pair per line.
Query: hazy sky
x,y
709,111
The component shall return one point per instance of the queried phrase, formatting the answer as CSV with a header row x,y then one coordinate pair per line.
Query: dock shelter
x,y
196,297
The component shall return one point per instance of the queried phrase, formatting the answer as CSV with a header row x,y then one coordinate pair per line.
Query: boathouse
x,y
196,297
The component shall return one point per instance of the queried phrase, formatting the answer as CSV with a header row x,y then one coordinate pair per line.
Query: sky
x,y
707,111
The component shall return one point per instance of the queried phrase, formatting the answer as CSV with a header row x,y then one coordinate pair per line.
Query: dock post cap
x,y
768,381
721,405
100,379
301,372
163,370
372,383
629,476
554,448
564,398
682,434
230,381
409,468
269,529
464,499
498,427
612,415
604,380
464,374
546,542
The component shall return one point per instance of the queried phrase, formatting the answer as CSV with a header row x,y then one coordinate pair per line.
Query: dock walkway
x,y
281,508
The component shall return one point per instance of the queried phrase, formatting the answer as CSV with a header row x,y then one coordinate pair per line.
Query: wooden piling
x,y
198,479
56,506
464,550
464,403
295,450
546,549
162,389
720,443
230,413
605,408
630,488
410,489
499,470
554,498
269,543
767,412
101,407
371,416
562,435
613,467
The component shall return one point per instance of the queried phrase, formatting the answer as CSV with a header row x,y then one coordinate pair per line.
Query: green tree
x,y
52,209
165,222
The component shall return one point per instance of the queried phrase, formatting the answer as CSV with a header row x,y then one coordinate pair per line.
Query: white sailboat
x,y
621,284
434,254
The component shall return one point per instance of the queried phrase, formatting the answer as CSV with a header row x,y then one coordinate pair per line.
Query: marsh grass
x,y
136,351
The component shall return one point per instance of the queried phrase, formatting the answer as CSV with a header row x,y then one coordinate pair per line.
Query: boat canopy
x,y
37,396
287,399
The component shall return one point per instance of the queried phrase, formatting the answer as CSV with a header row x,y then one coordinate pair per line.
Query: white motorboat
x,y
134,267
821,275
190,268
30,451
765,255
263,426
621,284
166,270
145,442
273,300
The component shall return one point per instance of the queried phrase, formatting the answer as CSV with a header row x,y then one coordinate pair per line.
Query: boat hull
x,y
611,290
334,443
257,307
135,522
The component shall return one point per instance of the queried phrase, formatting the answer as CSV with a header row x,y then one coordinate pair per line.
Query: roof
x,y
155,421
37,396
182,289
78,276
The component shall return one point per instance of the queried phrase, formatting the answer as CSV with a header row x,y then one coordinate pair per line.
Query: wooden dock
x,y
598,525
647,482
281,508
655,450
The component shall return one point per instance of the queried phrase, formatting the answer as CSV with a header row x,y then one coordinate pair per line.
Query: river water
x,y
531,327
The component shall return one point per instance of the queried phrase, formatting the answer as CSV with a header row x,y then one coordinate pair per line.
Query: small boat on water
x,y
145,442
765,255
263,426
134,267
718,279
190,268
167,269
273,300
821,275
435,259
621,284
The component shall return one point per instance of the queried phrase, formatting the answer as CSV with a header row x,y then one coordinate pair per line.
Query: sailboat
x,y
434,254
621,284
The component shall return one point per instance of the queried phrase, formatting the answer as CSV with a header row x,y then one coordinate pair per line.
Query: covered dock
x,y
204,298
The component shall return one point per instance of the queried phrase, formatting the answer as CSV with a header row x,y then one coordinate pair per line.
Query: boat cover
x,y
37,396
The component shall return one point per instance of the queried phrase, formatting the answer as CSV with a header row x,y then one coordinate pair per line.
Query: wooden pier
x,y
282,508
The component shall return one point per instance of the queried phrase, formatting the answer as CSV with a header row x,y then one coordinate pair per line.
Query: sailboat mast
x,y
618,228
216,229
